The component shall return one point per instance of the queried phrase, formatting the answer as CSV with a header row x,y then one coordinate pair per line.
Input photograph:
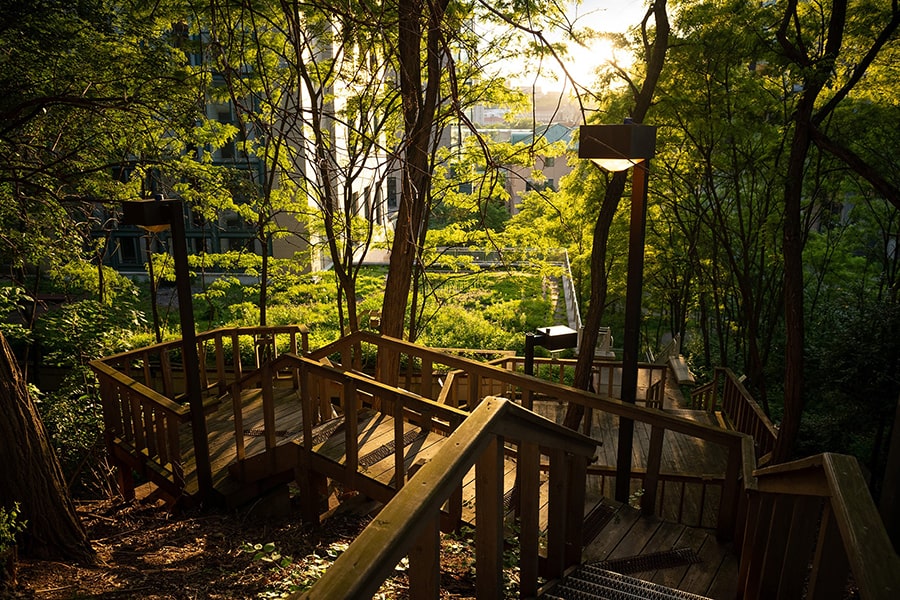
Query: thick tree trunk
x,y
419,108
30,473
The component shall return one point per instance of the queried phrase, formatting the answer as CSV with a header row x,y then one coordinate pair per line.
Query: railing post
x,y
556,514
528,469
489,520
728,504
425,562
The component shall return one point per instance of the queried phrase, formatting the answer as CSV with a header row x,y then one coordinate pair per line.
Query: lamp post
x,y
617,148
157,215
557,337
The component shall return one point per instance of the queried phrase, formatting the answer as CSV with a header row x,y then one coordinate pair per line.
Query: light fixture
x,y
617,148
157,215
553,338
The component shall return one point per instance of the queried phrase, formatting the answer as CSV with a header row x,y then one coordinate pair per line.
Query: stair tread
x,y
591,582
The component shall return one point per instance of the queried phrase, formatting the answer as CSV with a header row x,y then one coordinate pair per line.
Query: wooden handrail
x,y
141,423
810,523
727,393
529,387
407,524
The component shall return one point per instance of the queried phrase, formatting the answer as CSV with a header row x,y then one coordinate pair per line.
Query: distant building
x,y
521,179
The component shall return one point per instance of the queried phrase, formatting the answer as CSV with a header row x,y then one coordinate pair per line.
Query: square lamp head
x,y
617,147
557,337
153,215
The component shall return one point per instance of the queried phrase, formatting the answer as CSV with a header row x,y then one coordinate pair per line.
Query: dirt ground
x,y
144,551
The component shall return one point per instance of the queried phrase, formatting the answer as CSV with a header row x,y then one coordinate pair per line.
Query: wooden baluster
x,y
220,365
755,545
830,566
577,467
489,519
165,363
731,488
145,363
774,559
425,561
136,421
268,407
325,410
159,426
236,355
797,553
237,410
201,356
556,517
351,412
306,402
474,391
529,482
654,460
399,449
174,443
426,390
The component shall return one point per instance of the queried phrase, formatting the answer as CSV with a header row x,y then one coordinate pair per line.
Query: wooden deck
x,y
630,539
624,534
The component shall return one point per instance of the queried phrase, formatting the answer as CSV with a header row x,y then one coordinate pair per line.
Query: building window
x,y
129,250
392,192
549,161
227,150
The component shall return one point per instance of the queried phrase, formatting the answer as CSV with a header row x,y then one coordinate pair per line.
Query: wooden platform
x,y
625,534
683,499
630,535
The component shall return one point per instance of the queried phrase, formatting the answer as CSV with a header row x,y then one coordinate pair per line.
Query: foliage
x,y
11,524
293,576
13,299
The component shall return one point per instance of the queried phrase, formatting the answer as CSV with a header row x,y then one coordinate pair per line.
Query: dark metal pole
x,y
189,350
631,343
529,353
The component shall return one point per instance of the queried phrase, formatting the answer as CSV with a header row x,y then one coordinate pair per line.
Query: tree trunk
x,y
30,473
420,104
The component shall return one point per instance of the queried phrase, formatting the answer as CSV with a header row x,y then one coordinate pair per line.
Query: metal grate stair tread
x,y
590,582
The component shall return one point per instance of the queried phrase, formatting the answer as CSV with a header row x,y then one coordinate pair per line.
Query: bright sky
x,y
599,15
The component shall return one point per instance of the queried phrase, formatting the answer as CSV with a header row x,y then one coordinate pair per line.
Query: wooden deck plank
x,y
618,528
700,575
689,538
664,539
637,539
724,583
